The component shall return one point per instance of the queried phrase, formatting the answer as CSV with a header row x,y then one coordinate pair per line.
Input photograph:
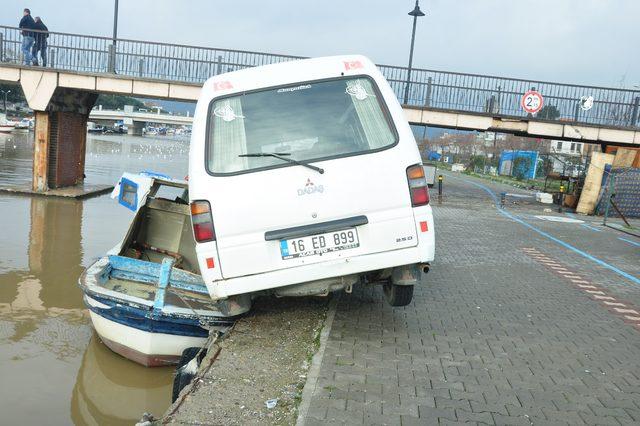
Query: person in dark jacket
x,y
27,23
40,44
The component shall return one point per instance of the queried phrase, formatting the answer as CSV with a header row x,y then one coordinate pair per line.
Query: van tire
x,y
398,295
183,377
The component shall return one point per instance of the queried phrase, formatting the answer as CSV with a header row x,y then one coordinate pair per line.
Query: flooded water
x,y
53,368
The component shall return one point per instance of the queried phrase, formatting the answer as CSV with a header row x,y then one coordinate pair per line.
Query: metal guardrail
x,y
144,59
496,96
499,96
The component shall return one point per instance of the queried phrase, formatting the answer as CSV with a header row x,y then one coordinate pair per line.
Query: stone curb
x,y
316,362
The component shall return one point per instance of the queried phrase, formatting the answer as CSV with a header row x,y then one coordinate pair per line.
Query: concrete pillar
x,y
41,152
135,129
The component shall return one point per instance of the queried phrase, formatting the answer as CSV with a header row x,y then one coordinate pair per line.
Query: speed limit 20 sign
x,y
532,102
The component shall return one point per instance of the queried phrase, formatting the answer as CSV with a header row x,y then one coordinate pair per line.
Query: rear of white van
x,y
304,177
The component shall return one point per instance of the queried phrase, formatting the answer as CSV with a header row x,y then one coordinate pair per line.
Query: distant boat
x,y
5,126
95,128
24,125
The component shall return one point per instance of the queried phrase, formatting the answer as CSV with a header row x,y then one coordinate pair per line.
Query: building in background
x,y
567,158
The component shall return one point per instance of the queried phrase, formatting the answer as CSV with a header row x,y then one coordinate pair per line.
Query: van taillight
x,y
417,186
202,221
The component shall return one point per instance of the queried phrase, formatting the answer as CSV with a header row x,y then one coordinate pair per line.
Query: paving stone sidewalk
x,y
492,336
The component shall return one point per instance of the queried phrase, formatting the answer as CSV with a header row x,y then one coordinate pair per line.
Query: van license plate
x,y
317,245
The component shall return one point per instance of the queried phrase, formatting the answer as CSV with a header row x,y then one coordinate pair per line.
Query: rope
x,y
207,325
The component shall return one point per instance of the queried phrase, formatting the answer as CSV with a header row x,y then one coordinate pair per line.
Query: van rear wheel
x,y
398,295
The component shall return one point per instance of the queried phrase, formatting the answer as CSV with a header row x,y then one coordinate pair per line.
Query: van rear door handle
x,y
315,228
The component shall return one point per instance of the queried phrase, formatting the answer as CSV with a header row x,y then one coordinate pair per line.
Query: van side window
x,y
305,122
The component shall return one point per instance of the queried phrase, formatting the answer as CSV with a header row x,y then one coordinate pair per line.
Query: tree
x,y
548,112
16,94
477,163
118,102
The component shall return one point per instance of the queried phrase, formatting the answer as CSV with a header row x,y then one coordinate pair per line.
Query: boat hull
x,y
152,342
143,347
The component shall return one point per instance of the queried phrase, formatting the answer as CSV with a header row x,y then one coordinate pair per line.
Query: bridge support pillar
x,y
41,152
135,129
59,152
60,140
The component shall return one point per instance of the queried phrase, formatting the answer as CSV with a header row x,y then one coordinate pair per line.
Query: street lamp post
x,y
5,93
112,48
115,22
416,12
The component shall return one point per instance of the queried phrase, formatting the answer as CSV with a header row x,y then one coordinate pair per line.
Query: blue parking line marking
x,y
576,250
591,227
573,216
629,241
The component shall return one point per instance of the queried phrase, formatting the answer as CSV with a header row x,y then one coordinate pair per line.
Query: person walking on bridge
x,y
26,24
40,44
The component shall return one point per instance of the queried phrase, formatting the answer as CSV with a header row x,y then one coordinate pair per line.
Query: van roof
x,y
289,72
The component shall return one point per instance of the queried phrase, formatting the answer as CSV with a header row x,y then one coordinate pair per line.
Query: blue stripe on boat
x,y
163,281
140,319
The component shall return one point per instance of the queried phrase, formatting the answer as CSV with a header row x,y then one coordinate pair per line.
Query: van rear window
x,y
306,122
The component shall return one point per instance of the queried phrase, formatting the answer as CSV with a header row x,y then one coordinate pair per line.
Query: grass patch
x,y
313,349
536,184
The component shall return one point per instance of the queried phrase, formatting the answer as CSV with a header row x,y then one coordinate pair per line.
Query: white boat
x,y
146,298
24,125
144,321
5,126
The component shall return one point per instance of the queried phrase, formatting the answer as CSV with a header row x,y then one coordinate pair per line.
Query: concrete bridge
x,y
136,120
84,66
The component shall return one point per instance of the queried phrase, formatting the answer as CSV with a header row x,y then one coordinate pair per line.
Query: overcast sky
x,y
577,41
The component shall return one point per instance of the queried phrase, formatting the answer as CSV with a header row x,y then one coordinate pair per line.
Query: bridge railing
x,y
144,59
501,96
473,93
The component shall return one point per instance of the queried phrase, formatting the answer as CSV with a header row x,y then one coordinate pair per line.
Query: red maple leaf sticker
x,y
352,65
222,85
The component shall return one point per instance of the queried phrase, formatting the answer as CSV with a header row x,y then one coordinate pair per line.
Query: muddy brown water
x,y
53,368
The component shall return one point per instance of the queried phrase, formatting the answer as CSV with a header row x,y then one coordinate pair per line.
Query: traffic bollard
x,y
440,185
561,198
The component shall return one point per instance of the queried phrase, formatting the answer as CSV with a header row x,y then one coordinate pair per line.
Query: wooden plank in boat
x,y
140,270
